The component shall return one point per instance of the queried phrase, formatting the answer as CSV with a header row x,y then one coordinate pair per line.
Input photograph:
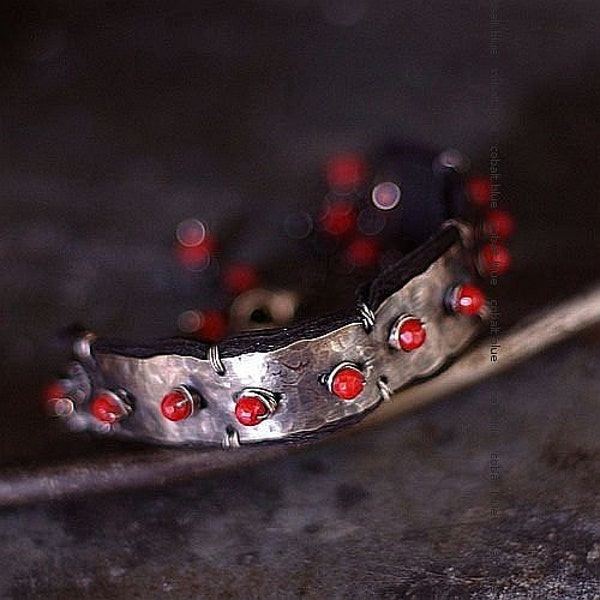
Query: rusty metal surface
x,y
489,494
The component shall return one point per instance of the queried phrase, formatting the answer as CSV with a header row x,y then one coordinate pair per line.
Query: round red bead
x,y
177,405
339,218
479,190
240,278
362,252
499,223
346,171
108,408
196,257
55,390
213,326
495,259
468,300
346,382
251,409
408,334
57,400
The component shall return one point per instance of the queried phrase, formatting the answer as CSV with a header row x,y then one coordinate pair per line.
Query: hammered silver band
x,y
293,376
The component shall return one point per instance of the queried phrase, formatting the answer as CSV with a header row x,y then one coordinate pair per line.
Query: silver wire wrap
x,y
214,358
367,316
384,388
231,439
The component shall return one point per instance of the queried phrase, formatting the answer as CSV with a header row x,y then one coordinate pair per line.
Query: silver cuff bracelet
x,y
283,384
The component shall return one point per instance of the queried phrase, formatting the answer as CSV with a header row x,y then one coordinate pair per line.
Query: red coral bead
x,y
362,252
56,390
57,400
177,405
494,259
213,325
196,257
251,409
339,218
346,381
108,408
408,334
467,300
240,278
479,190
499,223
345,172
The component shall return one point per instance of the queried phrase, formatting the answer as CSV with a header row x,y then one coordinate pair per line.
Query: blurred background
x,y
118,120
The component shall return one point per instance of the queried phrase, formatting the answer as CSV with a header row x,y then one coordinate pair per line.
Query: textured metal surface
x,y
114,117
152,466
293,373
446,334
524,340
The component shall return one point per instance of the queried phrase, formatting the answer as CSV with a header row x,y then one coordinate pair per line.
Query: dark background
x,y
120,119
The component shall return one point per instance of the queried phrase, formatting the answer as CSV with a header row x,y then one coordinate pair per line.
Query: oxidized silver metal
x,y
467,234
451,158
82,346
293,373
